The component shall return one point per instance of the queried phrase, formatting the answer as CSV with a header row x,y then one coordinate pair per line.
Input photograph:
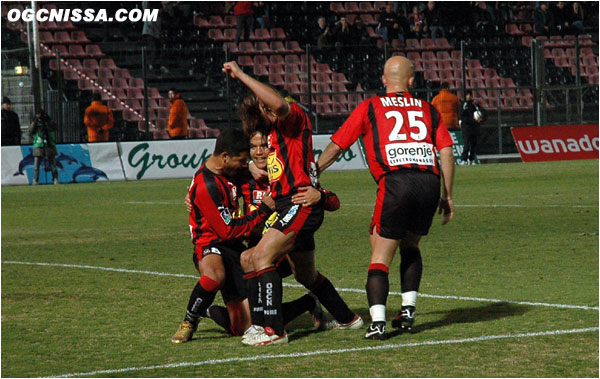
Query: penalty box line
x,y
329,352
294,285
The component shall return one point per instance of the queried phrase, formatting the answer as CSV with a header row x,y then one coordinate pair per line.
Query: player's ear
x,y
383,80
411,81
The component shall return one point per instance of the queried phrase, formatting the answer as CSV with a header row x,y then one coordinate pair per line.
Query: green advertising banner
x,y
458,147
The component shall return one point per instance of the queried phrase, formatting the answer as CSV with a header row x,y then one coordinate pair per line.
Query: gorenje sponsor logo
x,y
82,15
410,153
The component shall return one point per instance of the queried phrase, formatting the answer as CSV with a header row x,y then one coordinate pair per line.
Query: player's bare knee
x,y
246,261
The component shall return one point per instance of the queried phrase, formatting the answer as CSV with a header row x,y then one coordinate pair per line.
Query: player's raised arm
x,y
269,96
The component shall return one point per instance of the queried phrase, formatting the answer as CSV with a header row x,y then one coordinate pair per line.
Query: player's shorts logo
x,y
274,167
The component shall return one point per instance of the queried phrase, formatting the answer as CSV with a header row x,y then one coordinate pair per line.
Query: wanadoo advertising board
x,y
557,143
134,161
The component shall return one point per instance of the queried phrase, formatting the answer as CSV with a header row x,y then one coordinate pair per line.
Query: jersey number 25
x,y
414,122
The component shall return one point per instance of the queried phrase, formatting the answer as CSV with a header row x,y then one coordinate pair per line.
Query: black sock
x,y
220,316
253,289
378,284
199,302
271,294
331,300
284,268
295,308
411,268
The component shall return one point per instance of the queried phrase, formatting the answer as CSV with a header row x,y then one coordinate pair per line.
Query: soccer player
x,y
235,316
402,135
215,233
289,165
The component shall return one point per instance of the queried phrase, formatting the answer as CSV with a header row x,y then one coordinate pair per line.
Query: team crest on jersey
x,y
257,196
225,214
274,167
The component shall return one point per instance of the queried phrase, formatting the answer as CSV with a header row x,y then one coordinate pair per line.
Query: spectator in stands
x,y
577,18
388,21
360,33
11,127
433,17
561,17
244,20
343,33
471,117
99,120
178,116
482,18
262,14
448,105
321,33
417,23
543,20
43,130
151,33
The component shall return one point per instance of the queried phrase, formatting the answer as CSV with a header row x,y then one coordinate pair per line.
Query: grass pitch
x,y
510,286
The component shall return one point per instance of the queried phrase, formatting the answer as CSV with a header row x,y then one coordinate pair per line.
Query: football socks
x,y
295,308
201,299
271,294
253,290
331,300
411,268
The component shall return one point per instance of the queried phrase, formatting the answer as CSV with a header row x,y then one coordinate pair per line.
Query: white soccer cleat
x,y
252,331
267,337
356,323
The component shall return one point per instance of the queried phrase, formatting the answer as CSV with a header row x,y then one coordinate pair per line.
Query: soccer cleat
x,y
376,331
317,314
184,333
356,323
252,331
405,318
267,337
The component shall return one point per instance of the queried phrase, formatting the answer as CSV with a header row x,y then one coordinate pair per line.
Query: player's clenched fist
x,y
232,69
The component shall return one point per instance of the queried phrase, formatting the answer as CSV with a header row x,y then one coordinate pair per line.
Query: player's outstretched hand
x,y
447,209
188,203
232,69
307,196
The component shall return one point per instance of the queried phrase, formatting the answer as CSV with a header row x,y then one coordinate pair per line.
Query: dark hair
x,y
468,92
96,97
173,89
6,100
251,115
445,85
231,141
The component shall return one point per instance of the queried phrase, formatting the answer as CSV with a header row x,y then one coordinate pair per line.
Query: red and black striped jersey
x,y
214,202
252,193
291,156
399,132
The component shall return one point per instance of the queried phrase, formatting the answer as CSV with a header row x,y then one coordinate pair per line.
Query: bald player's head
x,y
398,74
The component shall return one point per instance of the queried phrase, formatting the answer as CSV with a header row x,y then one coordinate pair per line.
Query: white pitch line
x,y
294,285
329,352
492,205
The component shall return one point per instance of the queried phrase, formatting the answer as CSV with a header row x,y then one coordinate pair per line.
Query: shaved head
x,y
398,74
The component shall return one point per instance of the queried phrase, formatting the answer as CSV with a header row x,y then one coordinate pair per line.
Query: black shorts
x,y
304,221
234,287
406,202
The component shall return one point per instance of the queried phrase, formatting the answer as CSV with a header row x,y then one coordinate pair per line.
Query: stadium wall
x,y
118,161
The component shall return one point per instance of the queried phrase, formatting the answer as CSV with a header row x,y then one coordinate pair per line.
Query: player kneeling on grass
x,y
215,233
402,135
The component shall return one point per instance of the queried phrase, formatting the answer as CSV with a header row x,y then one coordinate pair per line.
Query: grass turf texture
x,y
522,232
